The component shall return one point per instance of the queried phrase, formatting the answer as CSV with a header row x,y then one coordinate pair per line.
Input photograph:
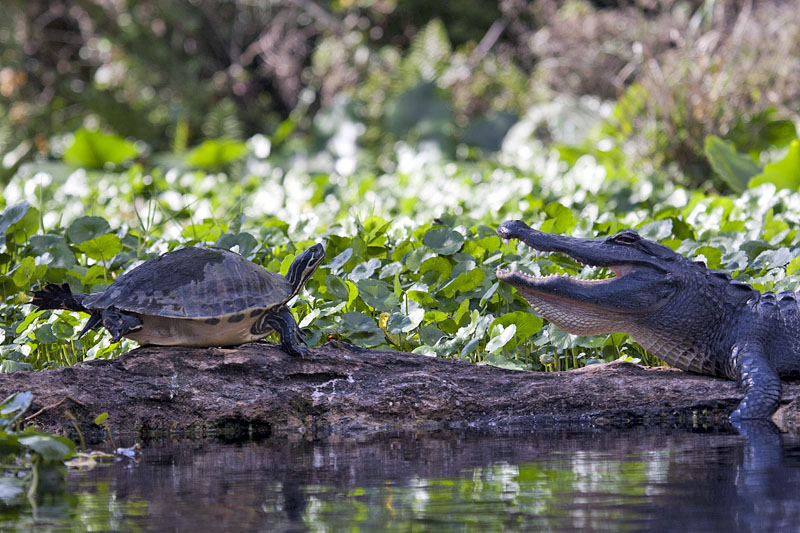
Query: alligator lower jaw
x,y
573,304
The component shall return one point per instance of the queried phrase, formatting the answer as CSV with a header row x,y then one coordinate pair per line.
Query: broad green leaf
x,y
11,216
53,249
340,260
25,273
465,282
773,258
793,267
101,418
102,248
86,228
734,168
470,347
443,241
94,149
390,270
402,323
712,255
246,243
51,448
208,230
309,318
784,174
430,335
28,320
336,287
15,405
10,365
422,298
440,265
215,153
657,230
461,311
398,323
500,337
364,270
527,324
362,329
377,295
490,292
44,334
21,231
561,220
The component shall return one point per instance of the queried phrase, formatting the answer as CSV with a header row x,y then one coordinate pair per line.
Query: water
x,y
633,480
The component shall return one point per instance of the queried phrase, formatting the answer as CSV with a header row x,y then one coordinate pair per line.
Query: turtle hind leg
x,y
58,296
282,321
119,324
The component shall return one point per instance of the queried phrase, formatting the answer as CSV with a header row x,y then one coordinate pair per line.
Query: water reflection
x,y
559,480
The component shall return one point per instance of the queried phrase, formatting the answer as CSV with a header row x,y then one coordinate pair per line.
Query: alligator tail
x,y
58,296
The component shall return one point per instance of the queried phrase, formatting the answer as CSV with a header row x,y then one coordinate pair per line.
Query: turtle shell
x,y
194,283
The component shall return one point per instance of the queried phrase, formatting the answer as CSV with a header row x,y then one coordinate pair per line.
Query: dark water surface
x,y
631,480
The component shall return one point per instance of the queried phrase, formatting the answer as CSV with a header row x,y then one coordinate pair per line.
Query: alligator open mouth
x,y
620,282
589,275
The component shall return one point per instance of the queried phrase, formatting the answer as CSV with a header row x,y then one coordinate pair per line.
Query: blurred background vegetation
x,y
172,74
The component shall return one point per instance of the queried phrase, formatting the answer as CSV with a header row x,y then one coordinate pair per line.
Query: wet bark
x,y
257,389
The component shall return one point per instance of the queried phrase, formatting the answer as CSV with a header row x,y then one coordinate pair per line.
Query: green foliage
x,y
94,149
734,168
397,277
784,174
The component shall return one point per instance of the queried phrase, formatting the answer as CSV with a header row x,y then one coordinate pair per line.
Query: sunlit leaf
x,y
734,168
95,149
527,324
784,173
215,153
103,247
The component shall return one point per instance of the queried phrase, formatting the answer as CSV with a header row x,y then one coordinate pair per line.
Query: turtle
x,y
195,296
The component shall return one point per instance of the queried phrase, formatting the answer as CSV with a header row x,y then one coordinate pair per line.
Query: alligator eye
x,y
626,237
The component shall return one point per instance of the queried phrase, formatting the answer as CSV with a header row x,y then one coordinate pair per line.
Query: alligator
x,y
691,317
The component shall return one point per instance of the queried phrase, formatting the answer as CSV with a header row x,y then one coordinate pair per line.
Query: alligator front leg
x,y
761,382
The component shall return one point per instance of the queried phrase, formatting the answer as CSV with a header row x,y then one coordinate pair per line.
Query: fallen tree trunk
x,y
258,389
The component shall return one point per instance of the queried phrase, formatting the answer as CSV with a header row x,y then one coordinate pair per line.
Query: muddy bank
x,y
257,389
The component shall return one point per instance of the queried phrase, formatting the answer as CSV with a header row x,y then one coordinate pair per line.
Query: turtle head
x,y
304,266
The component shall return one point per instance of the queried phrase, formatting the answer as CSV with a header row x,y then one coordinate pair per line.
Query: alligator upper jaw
x,y
584,251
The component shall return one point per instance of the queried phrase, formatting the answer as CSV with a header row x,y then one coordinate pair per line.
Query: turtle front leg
x,y
761,382
282,321
120,324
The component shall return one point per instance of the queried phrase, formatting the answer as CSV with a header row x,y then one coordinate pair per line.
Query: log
x,y
256,389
